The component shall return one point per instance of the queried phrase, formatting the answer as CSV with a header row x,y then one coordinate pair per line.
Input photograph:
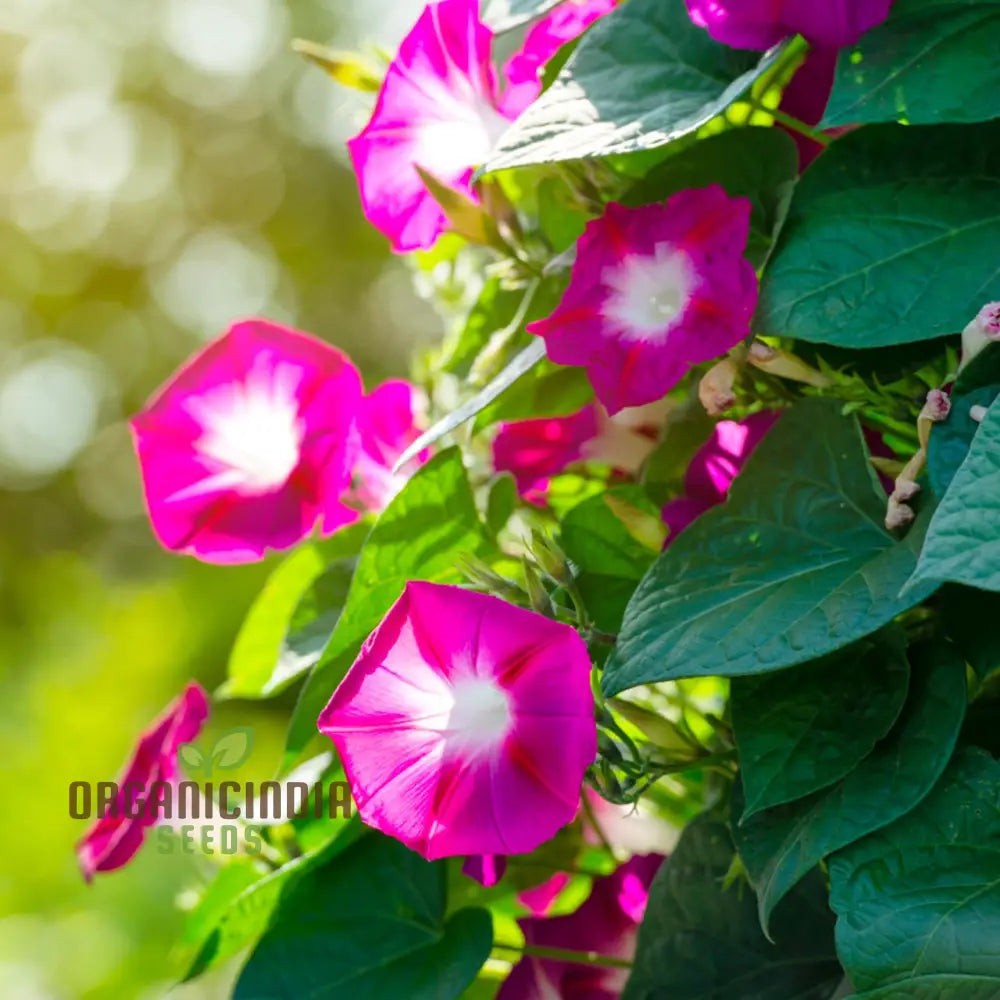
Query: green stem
x,y
793,123
565,955
588,810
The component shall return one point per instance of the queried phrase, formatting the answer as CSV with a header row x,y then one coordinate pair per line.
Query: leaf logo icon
x,y
230,750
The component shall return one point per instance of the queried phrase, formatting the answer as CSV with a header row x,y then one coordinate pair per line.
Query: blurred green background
x,y
165,168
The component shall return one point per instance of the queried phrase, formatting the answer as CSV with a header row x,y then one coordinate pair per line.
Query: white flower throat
x,y
649,293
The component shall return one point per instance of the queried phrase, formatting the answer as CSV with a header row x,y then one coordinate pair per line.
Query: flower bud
x,y
938,406
978,413
984,328
716,387
785,365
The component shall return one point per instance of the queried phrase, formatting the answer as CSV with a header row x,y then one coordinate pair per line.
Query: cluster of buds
x,y
899,513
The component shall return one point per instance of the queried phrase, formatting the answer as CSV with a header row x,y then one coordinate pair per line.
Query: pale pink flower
x,y
535,450
247,447
441,108
606,923
714,467
654,291
759,24
114,838
388,422
466,724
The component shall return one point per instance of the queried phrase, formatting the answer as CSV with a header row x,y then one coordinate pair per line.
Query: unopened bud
x,y
983,329
785,365
716,387
548,555
989,320
538,596
898,515
978,413
937,407
482,577
906,489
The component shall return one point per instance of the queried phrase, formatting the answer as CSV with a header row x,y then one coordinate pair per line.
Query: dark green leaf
x,y
887,217
970,618
700,941
237,876
756,163
932,61
609,560
794,566
802,730
643,76
963,540
246,915
371,925
918,903
419,536
780,846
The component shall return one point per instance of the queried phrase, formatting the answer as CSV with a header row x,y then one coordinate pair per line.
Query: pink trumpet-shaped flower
x,y
466,724
606,923
653,291
247,447
115,837
387,424
440,108
714,466
759,24
534,450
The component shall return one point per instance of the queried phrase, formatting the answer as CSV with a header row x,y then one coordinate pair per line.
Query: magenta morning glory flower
x,y
606,923
653,291
714,466
387,424
247,447
759,24
113,840
466,724
441,108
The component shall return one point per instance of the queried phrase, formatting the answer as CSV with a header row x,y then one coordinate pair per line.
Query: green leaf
x,y
237,876
918,903
779,847
500,503
232,749
969,617
609,560
932,61
761,164
978,384
883,221
250,912
548,390
641,77
293,616
963,540
700,941
370,925
794,566
802,730
419,536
